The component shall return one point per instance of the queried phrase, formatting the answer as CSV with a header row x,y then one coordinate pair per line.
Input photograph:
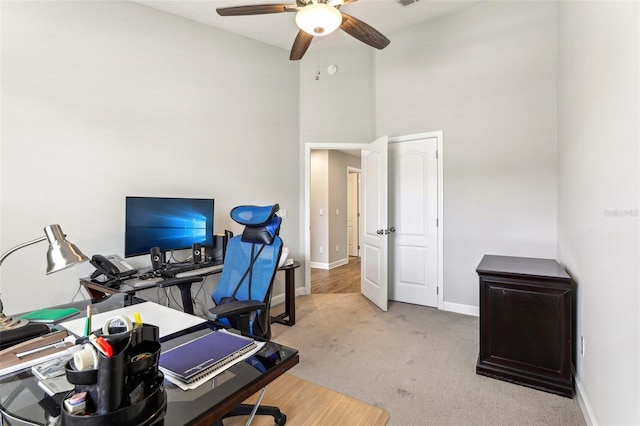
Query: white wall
x,y
338,163
319,200
486,77
337,108
101,100
598,198
328,191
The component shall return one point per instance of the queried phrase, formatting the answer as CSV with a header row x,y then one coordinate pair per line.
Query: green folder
x,y
49,315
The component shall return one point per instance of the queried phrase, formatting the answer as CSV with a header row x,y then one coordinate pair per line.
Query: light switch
x,y
321,212
283,213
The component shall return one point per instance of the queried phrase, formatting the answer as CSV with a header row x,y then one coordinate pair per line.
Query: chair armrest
x,y
234,308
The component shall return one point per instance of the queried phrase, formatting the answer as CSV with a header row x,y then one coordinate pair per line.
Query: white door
x,y
353,212
373,271
413,212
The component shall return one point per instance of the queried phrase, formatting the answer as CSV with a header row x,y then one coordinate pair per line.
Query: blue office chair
x,y
243,293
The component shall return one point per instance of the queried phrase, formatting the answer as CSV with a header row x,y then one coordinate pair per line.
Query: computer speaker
x,y
220,245
197,252
156,258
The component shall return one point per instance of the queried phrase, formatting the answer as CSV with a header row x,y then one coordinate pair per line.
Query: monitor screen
x,y
167,223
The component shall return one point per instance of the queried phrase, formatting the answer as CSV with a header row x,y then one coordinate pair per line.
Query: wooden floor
x,y
343,279
306,403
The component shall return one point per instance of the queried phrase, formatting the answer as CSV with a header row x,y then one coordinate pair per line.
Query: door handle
x,y
392,229
380,231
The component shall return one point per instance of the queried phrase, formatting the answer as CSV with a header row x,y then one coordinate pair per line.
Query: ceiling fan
x,y
315,18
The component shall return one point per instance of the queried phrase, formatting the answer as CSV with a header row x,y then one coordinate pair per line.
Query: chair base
x,y
264,410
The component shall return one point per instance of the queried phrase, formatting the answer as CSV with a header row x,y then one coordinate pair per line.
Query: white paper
x,y
167,319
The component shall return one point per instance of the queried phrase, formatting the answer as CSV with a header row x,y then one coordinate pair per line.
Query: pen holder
x,y
111,378
124,385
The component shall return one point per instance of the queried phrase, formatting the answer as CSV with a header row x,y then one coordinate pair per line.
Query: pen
x,y
87,324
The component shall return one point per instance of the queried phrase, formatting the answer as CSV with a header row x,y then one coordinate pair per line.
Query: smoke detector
x,y
406,2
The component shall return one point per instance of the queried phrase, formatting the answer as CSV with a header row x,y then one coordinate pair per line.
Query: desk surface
x,y
23,402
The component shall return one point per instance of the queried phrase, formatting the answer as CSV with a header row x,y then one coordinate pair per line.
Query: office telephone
x,y
112,266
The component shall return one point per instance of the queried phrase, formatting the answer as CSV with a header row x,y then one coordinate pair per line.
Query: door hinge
x,y
436,154
437,291
437,222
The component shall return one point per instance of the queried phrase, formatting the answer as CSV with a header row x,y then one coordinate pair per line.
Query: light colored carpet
x,y
306,403
417,363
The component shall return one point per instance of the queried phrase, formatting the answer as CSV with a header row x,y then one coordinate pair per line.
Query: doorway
x,y
334,221
310,147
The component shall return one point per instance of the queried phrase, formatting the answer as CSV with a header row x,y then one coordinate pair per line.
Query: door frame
x,y
308,147
357,171
355,147
440,156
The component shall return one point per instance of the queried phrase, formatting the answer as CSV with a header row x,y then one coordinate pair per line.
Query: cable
x,y
79,292
194,299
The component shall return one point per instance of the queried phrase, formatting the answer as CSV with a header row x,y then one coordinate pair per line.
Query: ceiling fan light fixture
x,y
318,19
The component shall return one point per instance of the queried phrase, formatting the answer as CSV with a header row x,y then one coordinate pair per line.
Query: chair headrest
x,y
262,224
254,215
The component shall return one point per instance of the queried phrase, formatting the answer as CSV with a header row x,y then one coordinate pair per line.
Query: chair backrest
x,y
250,264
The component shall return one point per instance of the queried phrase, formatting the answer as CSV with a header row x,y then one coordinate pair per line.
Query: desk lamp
x,y
61,255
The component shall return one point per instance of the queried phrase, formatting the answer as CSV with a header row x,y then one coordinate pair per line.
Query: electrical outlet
x,y
321,250
581,345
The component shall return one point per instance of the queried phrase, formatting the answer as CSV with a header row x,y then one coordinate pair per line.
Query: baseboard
x,y
585,405
319,265
327,266
461,309
340,262
280,298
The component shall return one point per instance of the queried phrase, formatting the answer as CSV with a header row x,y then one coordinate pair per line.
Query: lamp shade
x,y
318,19
61,254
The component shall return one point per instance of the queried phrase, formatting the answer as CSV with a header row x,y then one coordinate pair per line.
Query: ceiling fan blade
x,y
300,45
363,32
257,9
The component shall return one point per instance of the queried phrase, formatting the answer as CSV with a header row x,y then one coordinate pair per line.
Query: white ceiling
x,y
387,16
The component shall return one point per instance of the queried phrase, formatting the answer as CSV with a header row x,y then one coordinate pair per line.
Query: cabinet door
x,y
525,326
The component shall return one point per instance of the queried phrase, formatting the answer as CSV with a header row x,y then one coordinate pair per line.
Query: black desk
x,y
101,287
97,289
23,402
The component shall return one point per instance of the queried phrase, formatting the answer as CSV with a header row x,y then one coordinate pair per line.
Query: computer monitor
x,y
167,223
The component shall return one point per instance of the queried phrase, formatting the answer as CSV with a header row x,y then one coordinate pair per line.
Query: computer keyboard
x,y
191,270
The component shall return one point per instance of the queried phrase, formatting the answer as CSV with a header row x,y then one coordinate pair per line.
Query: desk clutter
x,y
116,371
115,376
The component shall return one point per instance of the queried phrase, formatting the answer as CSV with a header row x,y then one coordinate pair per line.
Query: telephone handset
x,y
113,266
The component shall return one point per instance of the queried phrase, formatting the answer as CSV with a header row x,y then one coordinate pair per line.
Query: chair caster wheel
x,y
281,420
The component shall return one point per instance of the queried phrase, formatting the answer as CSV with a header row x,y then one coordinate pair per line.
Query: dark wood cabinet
x,y
527,323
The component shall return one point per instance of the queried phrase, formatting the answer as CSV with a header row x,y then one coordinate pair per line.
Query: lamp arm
x,y
18,247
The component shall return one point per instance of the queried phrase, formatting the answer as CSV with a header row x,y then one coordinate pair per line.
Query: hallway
x,y
343,279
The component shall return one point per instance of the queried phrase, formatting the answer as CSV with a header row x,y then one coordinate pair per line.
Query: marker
x,y
136,318
87,324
